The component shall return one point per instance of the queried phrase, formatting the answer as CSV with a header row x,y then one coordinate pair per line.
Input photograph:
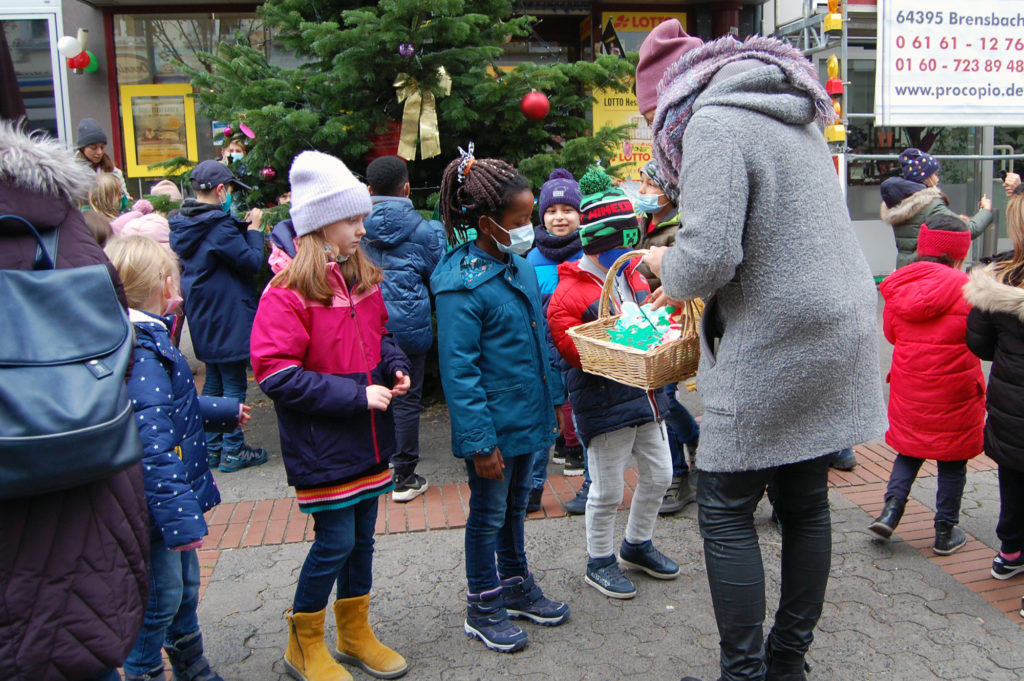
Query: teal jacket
x,y
496,369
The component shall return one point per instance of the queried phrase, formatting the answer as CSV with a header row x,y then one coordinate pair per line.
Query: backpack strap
x,y
46,247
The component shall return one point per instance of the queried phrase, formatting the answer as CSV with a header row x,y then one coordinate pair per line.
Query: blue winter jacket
x,y
498,377
219,257
171,420
407,248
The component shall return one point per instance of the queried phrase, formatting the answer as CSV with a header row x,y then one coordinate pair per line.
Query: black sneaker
x,y
559,454
524,599
1004,568
573,461
578,504
534,503
246,457
409,487
648,559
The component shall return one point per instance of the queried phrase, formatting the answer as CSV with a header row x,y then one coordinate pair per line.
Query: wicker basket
x,y
651,369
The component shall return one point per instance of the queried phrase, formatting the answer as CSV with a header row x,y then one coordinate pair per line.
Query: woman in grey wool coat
x,y
789,365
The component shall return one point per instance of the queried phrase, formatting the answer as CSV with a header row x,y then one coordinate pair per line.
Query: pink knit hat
x,y
167,188
661,48
940,242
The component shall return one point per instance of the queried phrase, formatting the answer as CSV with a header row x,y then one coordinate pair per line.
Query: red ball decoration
x,y
228,131
268,174
535,105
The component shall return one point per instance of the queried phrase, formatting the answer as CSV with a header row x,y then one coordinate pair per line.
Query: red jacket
x,y
937,390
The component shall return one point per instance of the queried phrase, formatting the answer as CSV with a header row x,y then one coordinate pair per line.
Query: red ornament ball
x,y
228,131
79,61
535,105
268,173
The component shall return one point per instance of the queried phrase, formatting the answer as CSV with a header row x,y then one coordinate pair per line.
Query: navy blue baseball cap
x,y
208,174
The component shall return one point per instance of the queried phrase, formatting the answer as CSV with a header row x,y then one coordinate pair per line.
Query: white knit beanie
x,y
324,191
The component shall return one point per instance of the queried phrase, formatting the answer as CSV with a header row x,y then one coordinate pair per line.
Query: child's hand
x,y
653,259
244,414
985,203
401,383
1011,182
254,217
490,466
378,397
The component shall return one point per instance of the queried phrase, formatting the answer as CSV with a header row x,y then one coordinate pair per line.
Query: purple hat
x,y
661,48
917,165
561,187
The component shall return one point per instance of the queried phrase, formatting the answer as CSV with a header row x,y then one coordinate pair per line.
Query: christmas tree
x,y
344,92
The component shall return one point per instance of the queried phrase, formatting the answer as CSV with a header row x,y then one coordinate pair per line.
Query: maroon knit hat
x,y
941,242
661,48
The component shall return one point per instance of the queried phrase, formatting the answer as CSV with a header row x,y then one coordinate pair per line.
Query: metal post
x,y
988,239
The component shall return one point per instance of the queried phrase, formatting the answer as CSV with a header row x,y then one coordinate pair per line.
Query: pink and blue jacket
x,y
315,361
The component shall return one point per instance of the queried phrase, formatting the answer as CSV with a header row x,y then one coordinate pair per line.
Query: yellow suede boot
x,y
307,657
357,643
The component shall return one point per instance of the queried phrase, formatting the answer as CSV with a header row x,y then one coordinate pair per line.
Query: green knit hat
x,y
607,217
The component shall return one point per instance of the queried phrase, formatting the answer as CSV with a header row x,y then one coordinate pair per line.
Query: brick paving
x,y
279,521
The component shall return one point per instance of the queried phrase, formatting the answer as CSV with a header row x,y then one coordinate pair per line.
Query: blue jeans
x,y
171,608
682,429
109,675
342,554
497,509
226,379
406,410
950,492
539,468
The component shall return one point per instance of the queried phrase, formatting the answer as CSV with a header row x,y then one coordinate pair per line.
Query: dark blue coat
x,y
407,248
171,419
498,377
219,257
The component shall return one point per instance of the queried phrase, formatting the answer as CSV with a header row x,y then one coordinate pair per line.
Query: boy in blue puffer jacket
x,y
179,485
219,257
399,241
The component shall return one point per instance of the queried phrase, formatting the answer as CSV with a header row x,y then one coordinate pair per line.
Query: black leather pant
x,y
736,574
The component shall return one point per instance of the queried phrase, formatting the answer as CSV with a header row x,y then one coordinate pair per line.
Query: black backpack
x,y
65,347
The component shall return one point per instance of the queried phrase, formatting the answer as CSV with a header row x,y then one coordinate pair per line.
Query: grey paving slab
x,y
890,613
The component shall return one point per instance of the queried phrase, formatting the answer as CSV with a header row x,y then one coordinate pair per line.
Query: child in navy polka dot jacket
x,y
179,486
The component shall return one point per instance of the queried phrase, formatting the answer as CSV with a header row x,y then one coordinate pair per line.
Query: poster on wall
x,y
950,63
622,32
159,124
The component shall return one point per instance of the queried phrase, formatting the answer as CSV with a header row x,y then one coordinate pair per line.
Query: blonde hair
x,y
143,265
105,196
307,272
1012,271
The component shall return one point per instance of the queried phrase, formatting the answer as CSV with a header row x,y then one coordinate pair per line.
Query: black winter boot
x,y
890,518
949,538
784,666
188,661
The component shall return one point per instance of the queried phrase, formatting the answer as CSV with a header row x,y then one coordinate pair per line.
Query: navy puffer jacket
x,y
407,248
219,257
171,420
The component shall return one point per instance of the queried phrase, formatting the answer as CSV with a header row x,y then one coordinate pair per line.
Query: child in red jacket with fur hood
x,y
937,390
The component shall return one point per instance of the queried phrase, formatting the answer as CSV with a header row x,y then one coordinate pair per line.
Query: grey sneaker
x,y
605,575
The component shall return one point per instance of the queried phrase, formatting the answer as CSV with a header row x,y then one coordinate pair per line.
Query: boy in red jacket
x,y
937,390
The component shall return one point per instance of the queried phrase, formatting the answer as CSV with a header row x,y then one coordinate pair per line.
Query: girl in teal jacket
x,y
503,392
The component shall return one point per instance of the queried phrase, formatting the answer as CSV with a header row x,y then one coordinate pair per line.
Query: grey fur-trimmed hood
x,y
911,206
39,164
985,292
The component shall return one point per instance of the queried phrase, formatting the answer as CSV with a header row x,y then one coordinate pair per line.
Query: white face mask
x,y
520,239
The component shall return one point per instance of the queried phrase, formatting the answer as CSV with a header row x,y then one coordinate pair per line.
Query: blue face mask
x,y
520,239
608,258
226,206
237,156
648,203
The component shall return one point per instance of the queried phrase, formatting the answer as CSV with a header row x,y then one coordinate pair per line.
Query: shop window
x,y
28,42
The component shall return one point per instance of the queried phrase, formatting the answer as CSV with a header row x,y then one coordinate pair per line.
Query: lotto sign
x,y
949,62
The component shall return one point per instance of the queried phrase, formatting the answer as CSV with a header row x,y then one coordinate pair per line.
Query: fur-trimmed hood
x,y
985,292
911,206
39,164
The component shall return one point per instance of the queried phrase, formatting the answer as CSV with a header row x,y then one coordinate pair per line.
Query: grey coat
x,y
906,219
789,366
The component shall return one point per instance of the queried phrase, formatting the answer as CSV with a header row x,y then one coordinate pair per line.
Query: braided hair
x,y
472,188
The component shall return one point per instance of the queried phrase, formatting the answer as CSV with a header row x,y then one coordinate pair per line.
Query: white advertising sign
x,y
950,62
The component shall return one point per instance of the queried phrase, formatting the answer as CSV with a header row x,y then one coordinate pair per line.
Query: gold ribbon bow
x,y
420,115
